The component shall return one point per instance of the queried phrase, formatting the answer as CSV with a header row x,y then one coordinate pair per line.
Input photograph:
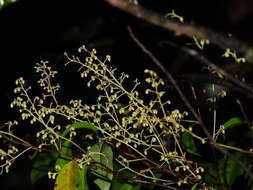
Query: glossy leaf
x,y
43,163
189,144
102,153
69,177
235,121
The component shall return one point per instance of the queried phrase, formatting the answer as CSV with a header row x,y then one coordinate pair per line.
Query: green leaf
x,y
189,144
43,163
102,153
120,184
64,157
235,121
66,145
4,3
69,177
83,175
212,173
229,169
80,125
227,172
126,187
137,187
194,187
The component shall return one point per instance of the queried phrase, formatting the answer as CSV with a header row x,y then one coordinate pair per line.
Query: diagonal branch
x,y
220,40
187,103
202,59
202,78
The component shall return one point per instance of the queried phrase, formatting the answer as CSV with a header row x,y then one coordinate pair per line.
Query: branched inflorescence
x,y
139,125
143,127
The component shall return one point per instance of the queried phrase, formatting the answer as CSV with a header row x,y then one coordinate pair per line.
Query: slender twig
x,y
243,111
203,78
117,174
235,148
170,78
27,144
157,166
207,62
195,99
231,82
249,123
156,184
220,40
186,101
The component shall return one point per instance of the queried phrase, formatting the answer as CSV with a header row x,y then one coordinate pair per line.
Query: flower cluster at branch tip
x,y
131,120
140,123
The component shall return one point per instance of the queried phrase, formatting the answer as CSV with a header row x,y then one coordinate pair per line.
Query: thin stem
x,y
186,101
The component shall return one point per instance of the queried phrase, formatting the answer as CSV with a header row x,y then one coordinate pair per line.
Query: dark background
x,y
42,30
31,31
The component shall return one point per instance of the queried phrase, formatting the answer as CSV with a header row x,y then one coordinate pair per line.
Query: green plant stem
x,y
234,148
